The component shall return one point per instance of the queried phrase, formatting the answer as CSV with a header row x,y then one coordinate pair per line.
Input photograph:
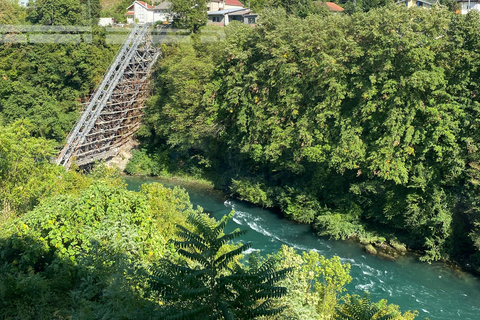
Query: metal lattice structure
x,y
115,109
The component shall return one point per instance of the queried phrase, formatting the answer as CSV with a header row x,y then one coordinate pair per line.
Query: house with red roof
x,y
143,12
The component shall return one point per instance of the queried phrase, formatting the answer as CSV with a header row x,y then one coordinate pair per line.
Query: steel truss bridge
x,y
115,110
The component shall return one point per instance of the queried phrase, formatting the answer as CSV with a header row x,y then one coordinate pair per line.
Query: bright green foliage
x,y
357,308
169,207
144,164
11,12
212,284
26,174
367,5
189,14
183,82
64,12
109,217
84,256
299,8
315,285
46,82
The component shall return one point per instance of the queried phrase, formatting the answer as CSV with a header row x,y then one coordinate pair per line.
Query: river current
x,y
435,291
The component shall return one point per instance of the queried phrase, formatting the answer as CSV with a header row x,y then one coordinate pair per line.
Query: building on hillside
x,y
466,6
141,12
217,5
23,3
224,17
416,3
250,18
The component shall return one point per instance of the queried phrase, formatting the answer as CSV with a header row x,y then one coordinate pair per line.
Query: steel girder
x,y
114,111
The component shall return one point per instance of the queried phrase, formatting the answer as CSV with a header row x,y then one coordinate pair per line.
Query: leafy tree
x,y
378,130
26,174
361,309
452,5
84,255
296,7
315,285
11,12
212,284
63,12
189,14
46,83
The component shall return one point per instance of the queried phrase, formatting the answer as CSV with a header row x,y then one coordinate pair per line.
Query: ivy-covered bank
x,y
365,125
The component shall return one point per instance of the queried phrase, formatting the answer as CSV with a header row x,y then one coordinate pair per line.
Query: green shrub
x,y
83,256
251,191
337,225
297,205
148,164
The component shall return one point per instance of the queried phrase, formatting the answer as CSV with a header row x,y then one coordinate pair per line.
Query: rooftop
x,y
241,12
163,6
333,6
233,3
146,5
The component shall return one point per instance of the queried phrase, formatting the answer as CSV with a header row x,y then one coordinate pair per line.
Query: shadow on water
x,y
436,291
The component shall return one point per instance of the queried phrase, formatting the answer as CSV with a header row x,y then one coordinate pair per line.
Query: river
x,y
433,290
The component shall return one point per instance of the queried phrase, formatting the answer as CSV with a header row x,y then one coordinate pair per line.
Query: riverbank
x,y
386,249
437,292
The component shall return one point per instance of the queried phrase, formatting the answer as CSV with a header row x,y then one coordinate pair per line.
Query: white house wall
x,y
473,6
213,6
142,15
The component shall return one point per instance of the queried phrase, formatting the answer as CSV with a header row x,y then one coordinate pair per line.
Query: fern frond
x,y
195,256
192,237
226,258
229,237
202,224
222,224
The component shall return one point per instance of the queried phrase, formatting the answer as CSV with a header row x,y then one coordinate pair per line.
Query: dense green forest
x,y
364,125
46,83
81,246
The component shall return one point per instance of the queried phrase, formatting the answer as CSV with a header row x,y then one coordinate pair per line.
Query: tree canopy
x,y
353,123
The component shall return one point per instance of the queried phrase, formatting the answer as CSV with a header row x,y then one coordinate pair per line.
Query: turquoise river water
x,y
437,292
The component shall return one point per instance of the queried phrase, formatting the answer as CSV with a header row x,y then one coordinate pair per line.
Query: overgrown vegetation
x,y
85,247
82,246
46,82
352,123
365,125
